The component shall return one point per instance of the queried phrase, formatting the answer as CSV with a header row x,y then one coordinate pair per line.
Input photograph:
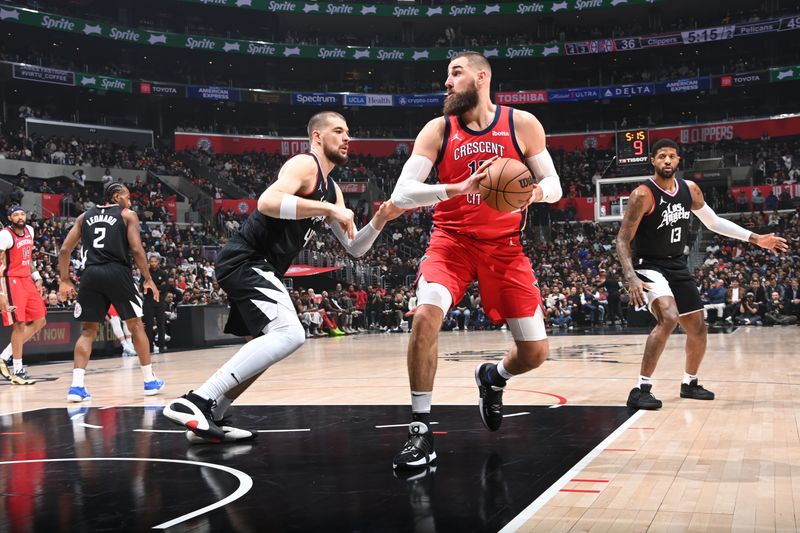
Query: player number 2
x,y
675,235
100,234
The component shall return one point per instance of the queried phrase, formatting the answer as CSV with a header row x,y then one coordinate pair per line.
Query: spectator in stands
x,y
79,176
462,311
714,298
777,312
733,300
748,311
107,178
792,298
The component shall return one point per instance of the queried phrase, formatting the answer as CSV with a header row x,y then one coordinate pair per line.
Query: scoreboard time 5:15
x,y
633,147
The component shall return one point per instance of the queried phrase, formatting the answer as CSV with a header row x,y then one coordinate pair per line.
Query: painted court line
x,y
523,413
547,495
581,490
283,430
399,425
245,481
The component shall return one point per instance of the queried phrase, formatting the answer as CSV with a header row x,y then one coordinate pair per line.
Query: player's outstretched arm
x,y
640,202
730,229
66,289
411,191
365,237
530,133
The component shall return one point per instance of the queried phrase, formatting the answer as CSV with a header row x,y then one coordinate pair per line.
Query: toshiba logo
x,y
500,134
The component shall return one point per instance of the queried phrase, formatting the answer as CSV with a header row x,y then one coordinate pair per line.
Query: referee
x,y
154,314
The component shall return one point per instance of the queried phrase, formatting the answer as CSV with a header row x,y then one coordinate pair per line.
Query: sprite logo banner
x,y
116,32
389,10
784,73
105,83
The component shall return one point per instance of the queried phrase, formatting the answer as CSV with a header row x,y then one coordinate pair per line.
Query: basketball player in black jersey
x,y
657,221
250,266
108,234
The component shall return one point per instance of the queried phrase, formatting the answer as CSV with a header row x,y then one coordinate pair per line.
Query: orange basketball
x,y
507,185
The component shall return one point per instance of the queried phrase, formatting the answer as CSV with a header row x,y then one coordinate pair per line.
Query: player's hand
x,y
344,217
151,286
636,289
4,307
772,242
537,195
66,291
470,185
388,211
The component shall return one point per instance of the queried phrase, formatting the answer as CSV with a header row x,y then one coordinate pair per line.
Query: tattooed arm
x,y
640,202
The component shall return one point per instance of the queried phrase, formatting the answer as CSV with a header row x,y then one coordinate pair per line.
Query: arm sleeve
x,y
720,225
362,241
6,241
545,173
411,191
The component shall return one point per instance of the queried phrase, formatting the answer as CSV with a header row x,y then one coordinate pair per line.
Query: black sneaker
x,y
642,398
491,402
418,451
194,412
695,391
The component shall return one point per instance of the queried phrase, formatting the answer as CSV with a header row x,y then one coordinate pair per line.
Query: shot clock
x,y
633,147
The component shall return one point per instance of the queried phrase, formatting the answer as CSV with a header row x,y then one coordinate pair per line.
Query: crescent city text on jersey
x,y
478,147
107,219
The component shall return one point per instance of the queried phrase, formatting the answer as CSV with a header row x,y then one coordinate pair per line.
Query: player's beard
x,y
334,155
458,104
664,173
20,224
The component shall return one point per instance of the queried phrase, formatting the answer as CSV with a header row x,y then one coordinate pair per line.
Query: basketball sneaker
x,y
418,450
641,398
20,377
194,412
5,368
491,401
153,386
78,394
695,392
232,434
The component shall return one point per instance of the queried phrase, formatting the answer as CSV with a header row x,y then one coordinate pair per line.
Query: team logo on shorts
x,y
78,310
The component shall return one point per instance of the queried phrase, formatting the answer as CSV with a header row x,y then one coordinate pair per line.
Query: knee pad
x,y
433,294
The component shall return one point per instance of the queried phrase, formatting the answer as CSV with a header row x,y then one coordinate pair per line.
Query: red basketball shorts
x,y
23,294
505,277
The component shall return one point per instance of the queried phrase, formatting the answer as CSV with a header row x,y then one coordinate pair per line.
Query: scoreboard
x,y
633,147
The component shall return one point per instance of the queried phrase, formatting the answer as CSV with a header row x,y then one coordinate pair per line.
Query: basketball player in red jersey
x,y
472,241
20,301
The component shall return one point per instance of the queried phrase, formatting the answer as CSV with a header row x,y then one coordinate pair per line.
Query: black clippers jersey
x,y
104,236
663,233
280,240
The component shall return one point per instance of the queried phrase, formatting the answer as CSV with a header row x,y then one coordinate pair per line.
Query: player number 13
x,y
675,235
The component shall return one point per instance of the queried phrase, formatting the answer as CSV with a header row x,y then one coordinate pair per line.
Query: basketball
x,y
507,185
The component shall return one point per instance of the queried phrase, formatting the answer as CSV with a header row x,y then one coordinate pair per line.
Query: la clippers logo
x,y
243,207
204,143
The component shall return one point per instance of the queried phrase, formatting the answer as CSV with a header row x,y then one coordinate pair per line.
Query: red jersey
x,y
461,153
18,252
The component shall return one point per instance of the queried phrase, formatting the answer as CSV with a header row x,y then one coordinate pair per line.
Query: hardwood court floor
x,y
728,465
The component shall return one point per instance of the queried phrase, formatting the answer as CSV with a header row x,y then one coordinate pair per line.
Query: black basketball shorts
x,y
103,285
256,296
666,280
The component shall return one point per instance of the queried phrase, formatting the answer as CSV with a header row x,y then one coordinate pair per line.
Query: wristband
x,y
289,207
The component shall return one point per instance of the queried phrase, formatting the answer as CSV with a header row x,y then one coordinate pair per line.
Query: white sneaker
x,y
232,434
155,349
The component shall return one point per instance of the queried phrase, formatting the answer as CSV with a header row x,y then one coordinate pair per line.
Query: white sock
x,y
219,410
501,369
147,372
128,345
643,380
17,365
77,376
421,402
687,378
6,352
283,336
